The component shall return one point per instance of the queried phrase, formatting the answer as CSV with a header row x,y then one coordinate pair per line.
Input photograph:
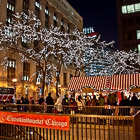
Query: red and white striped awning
x,y
124,81
97,82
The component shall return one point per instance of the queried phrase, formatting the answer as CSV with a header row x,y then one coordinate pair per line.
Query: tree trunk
x,y
43,83
57,80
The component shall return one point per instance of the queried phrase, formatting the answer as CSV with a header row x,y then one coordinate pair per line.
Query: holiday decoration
x,y
53,50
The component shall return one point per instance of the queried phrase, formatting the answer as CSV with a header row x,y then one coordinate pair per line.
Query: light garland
x,y
67,48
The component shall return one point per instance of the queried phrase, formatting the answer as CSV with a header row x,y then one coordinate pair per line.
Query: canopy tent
x,y
97,82
124,81
115,82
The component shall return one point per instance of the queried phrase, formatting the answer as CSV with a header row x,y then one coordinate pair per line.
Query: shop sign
x,y
137,89
87,90
35,120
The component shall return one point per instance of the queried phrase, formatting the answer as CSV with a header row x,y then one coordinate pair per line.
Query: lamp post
x,y
14,80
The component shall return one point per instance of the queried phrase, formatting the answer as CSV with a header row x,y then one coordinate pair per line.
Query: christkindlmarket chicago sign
x,y
35,120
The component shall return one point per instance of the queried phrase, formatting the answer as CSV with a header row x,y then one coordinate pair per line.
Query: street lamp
x,y
14,80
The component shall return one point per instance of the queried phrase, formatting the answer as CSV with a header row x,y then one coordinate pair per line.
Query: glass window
x,y
25,6
11,68
137,7
26,71
54,17
130,8
138,34
55,20
10,10
37,4
124,10
46,18
37,8
24,42
138,47
46,11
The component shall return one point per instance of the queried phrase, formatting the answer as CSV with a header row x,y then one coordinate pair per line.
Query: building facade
x,y
50,12
128,13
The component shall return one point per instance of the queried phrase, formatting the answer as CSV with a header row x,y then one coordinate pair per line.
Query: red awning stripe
x,y
98,82
124,81
115,82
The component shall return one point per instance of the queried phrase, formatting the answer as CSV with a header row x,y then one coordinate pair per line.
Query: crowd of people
x,y
71,104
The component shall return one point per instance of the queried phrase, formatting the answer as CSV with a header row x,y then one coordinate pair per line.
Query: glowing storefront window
x,y
137,7
138,34
130,8
138,47
124,10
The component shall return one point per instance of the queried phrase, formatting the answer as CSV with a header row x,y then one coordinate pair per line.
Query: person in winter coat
x,y
80,104
49,101
58,104
73,106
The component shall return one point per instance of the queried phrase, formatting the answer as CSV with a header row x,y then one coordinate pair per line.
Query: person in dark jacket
x,y
65,102
49,101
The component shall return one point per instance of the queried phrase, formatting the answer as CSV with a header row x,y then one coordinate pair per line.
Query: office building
x,y
50,12
128,14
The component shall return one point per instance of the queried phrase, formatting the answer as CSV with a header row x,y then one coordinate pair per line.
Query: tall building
x,y
94,65
50,12
128,13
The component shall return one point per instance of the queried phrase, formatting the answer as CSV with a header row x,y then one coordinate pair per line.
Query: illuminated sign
x,y
89,32
35,120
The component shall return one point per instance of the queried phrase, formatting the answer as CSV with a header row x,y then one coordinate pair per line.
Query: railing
x,y
82,127
87,110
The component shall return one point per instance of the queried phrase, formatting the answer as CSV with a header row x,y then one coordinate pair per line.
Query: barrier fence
x,y
87,127
87,110
82,126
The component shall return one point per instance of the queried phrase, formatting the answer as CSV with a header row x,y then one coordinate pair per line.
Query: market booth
x,y
105,84
88,85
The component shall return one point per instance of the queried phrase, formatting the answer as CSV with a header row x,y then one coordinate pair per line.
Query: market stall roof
x,y
97,82
124,81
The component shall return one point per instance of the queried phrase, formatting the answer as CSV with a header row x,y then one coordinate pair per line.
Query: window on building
x,y
24,42
26,71
71,76
137,7
46,18
25,6
62,25
138,34
55,19
68,28
37,8
130,8
10,10
124,9
138,47
11,68
65,79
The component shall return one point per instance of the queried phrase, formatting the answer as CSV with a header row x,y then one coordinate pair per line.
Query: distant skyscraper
x,y
128,13
98,63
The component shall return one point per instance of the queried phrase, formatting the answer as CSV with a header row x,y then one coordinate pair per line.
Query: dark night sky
x,y
99,14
